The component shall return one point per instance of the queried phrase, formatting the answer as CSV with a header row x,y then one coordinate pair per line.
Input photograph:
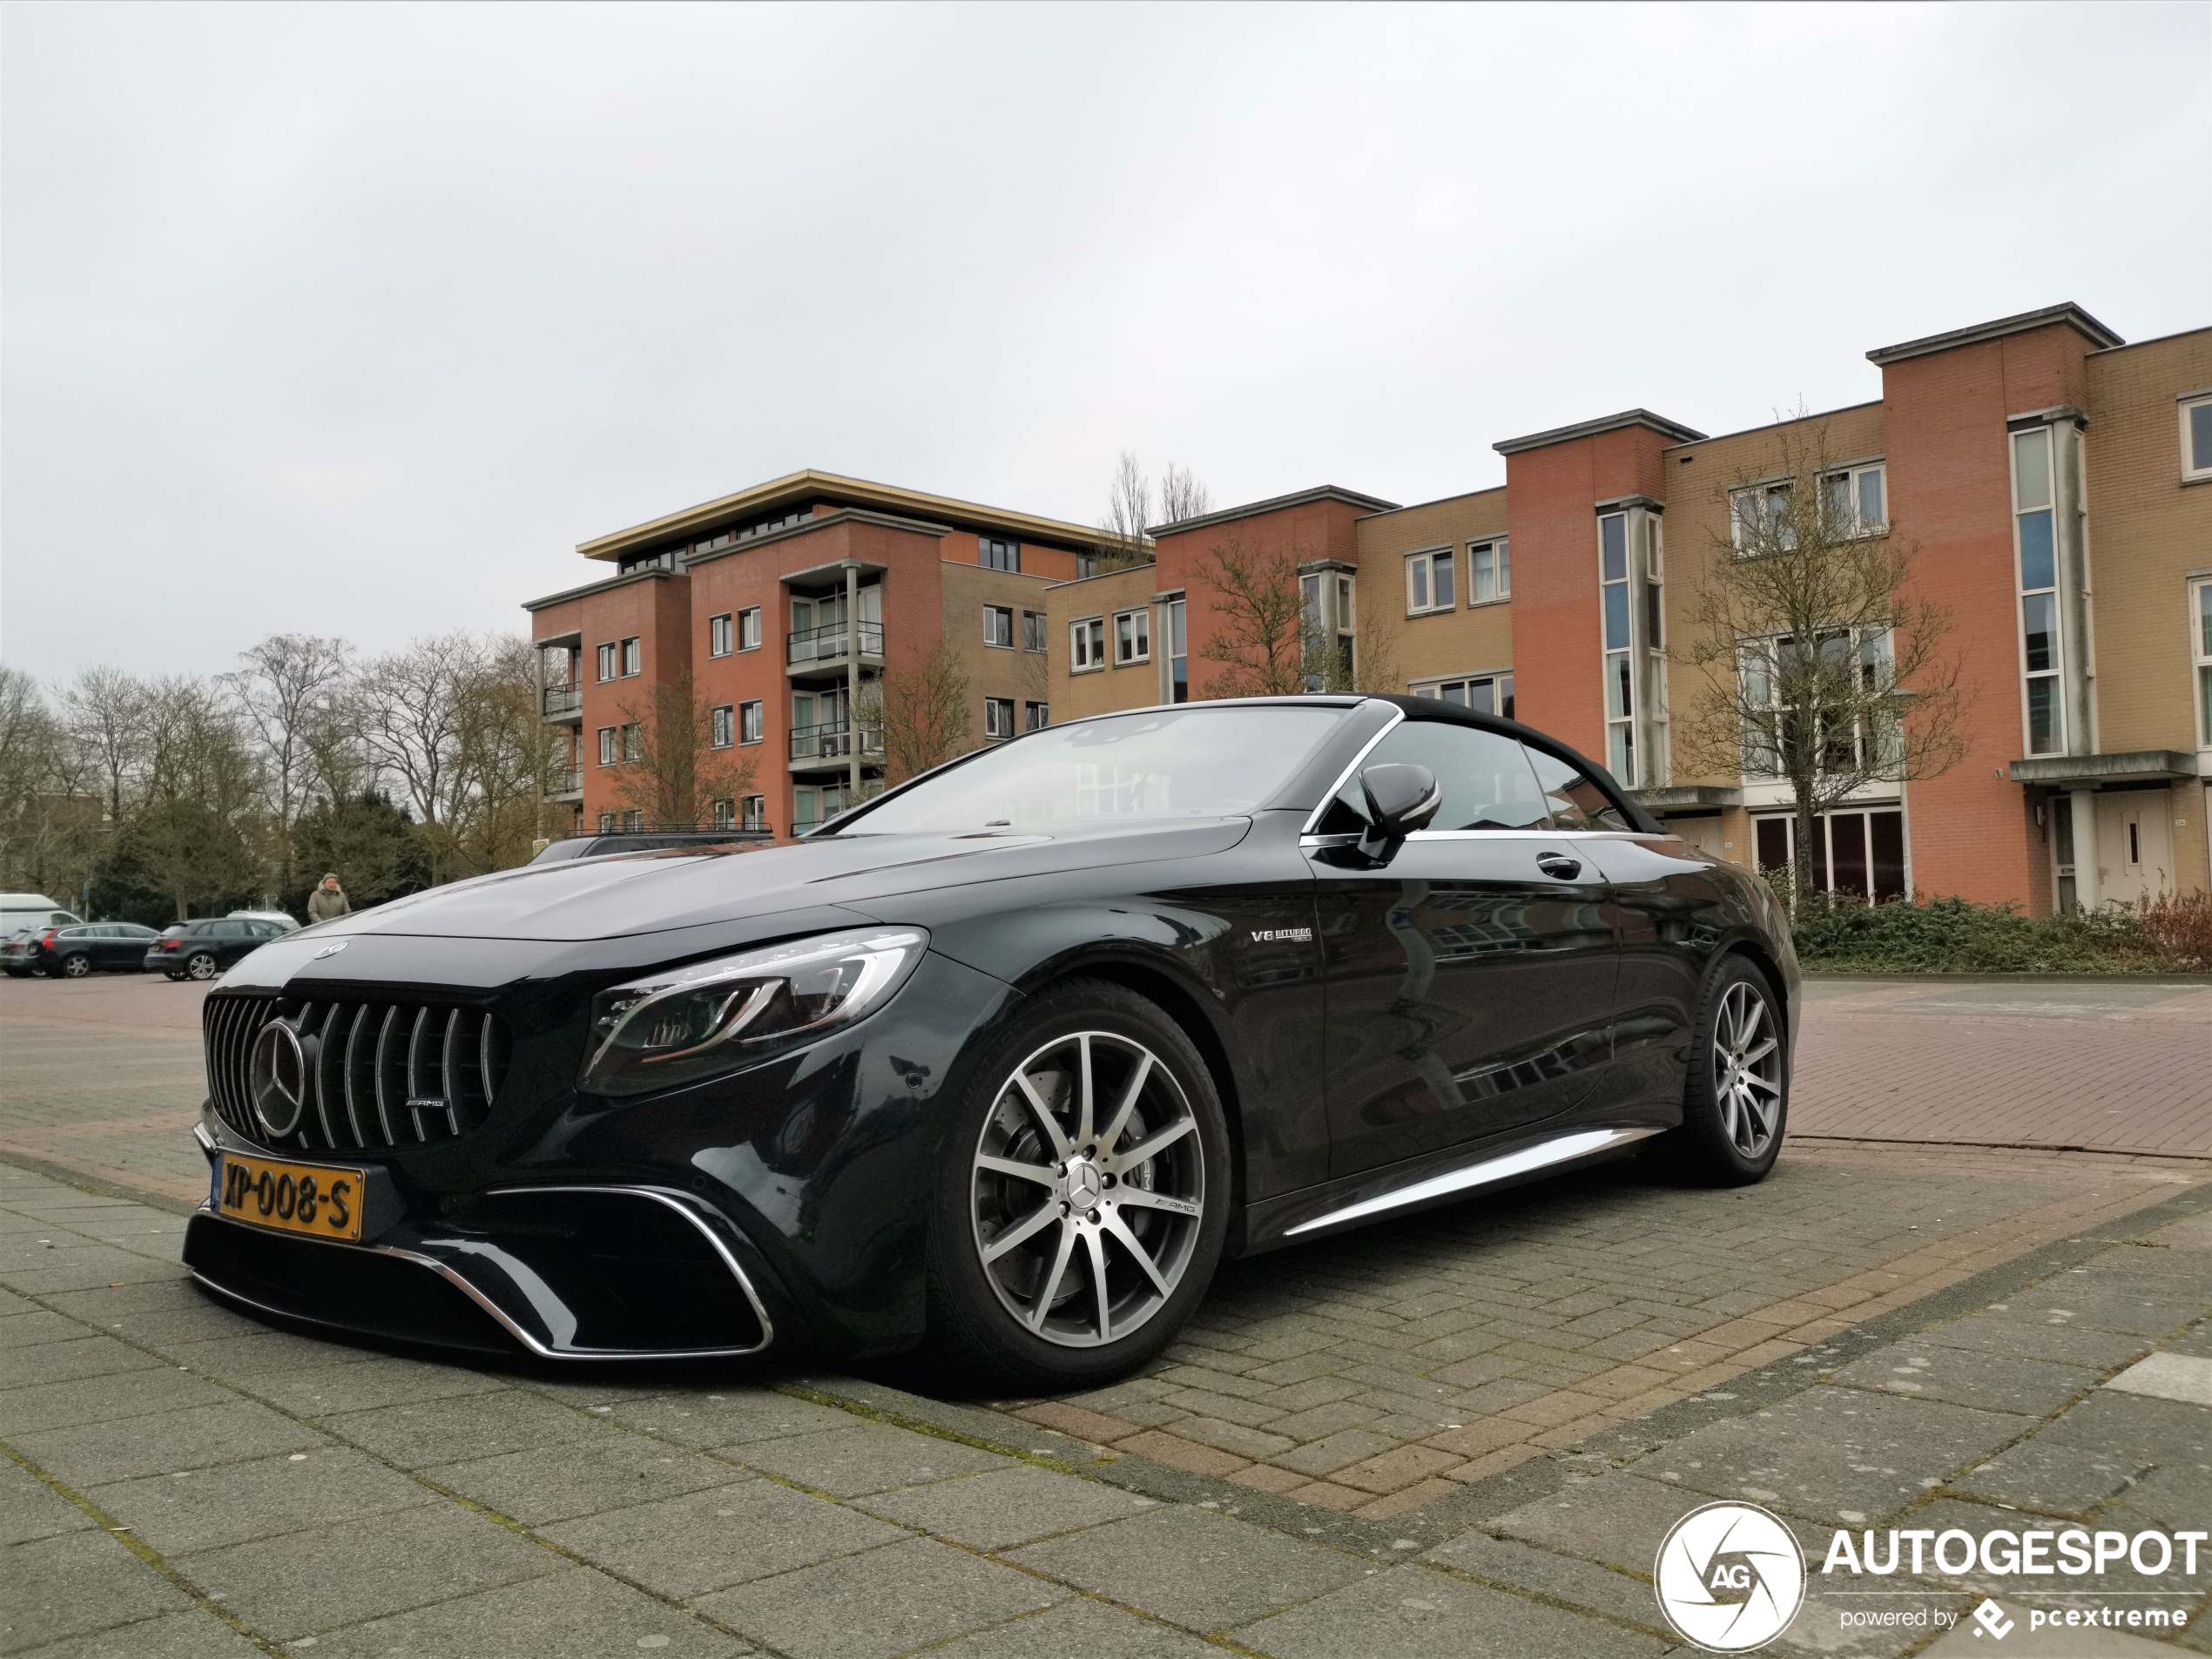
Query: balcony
x,y
830,743
811,651
563,704
565,785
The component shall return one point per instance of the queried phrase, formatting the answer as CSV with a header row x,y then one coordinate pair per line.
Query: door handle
x,y
1558,864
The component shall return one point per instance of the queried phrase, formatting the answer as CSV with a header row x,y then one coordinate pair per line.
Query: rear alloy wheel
x,y
1091,1195
1738,1101
76,966
200,965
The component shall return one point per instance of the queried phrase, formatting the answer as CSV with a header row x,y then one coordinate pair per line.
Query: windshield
x,y
1189,762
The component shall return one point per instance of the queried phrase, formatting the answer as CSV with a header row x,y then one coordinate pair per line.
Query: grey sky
x,y
357,319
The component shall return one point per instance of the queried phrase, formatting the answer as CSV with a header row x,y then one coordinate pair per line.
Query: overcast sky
x,y
356,320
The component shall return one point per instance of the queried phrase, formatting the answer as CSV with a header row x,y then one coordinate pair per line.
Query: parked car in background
x,y
71,952
21,915
202,949
284,919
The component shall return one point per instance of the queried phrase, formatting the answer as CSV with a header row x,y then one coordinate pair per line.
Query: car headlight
x,y
691,1022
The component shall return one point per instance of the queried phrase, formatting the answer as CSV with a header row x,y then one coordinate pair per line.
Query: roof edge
x,y
1273,504
1674,431
1977,333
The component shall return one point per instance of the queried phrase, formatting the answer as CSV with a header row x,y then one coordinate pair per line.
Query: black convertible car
x,y
1004,1062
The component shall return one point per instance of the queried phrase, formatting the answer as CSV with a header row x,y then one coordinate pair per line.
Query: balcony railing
x,y
563,699
828,644
564,784
832,740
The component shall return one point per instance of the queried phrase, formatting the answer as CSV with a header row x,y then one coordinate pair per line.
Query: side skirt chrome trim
x,y
1565,1148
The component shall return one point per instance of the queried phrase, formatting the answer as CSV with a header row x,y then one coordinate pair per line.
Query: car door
x,y
101,942
1468,970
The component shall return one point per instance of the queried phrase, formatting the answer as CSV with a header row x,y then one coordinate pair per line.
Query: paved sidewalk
x,y
180,1481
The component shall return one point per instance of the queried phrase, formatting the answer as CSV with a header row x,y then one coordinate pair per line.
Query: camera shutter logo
x,y
1730,1577
279,1078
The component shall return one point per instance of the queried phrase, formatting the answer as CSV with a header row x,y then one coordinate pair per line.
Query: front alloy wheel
x,y
1090,1183
1083,1200
201,966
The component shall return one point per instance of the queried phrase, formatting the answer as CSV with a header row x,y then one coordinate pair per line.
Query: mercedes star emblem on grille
x,y
279,1078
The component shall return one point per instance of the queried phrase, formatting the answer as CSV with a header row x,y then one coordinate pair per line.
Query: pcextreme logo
x,y
1730,1577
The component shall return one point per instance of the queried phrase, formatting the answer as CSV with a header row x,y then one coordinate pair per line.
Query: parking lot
x,y
1454,1433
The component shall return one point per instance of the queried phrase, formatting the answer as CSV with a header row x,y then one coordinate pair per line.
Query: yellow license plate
x,y
311,1198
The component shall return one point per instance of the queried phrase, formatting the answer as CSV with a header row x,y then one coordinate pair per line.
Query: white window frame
x,y
1768,494
633,741
2056,674
1501,551
610,661
633,657
749,628
1087,644
1854,494
2191,474
717,635
1132,636
1425,596
998,719
752,721
1442,687
1870,646
755,811
1036,716
998,627
725,727
1033,631
2200,620
609,750
725,815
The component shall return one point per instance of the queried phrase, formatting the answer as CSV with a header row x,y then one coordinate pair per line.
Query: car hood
x,y
631,893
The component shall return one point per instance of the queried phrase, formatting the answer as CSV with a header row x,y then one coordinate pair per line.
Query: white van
x,y
20,912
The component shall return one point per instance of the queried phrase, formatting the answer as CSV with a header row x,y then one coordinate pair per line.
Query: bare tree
x,y
671,772
504,760
1182,495
285,691
1122,541
407,712
49,809
104,711
1816,663
921,711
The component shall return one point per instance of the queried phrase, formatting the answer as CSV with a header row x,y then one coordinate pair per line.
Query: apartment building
x,y
2047,475
780,605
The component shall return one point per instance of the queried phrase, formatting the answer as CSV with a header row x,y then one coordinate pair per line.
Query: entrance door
x,y
1469,975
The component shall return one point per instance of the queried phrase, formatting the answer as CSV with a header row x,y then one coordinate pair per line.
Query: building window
x,y
749,629
995,553
755,812
1179,653
1429,583
1032,631
998,716
1761,519
1036,716
633,741
998,627
606,823
633,657
1087,643
2200,651
1773,669
606,745
1856,853
2196,438
717,635
2042,654
633,819
1328,616
607,661
1490,572
1855,500
750,722
1620,662
725,727
1484,693
725,815
1132,637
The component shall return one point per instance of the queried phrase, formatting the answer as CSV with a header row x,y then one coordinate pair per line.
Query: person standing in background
x,y
328,901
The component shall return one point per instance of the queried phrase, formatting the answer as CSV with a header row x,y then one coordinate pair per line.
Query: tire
x,y
1124,1272
76,966
201,966
178,974
1734,1113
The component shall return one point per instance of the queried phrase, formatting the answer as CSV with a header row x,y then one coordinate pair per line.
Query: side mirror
x,y
1401,797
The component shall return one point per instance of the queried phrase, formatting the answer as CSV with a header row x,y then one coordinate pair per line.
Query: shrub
x,y
2179,925
1843,933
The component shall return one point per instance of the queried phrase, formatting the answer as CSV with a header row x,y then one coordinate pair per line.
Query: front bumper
x,y
784,1206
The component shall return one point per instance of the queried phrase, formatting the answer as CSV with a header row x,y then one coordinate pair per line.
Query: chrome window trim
x,y
1346,776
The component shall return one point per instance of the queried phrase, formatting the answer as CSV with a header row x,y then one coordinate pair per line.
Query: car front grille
x,y
373,1074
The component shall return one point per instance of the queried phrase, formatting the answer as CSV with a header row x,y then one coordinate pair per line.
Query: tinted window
x,y
1185,762
1576,800
1485,776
